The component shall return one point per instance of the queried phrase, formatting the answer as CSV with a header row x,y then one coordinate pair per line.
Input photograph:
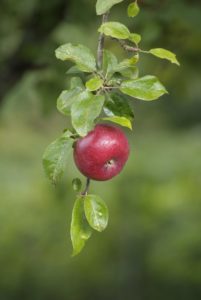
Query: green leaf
x,y
79,54
117,105
135,38
115,30
80,230
102,6
76,184
73,71
110,62
127,63
96,212
76,82
66,99
119,120
85,110
165,54
133,60
56,155
127,68
145,88
133,9
130,72
94,83
115,81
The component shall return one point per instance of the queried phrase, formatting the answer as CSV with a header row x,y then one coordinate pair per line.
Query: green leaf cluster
x,y
89,213
119,31
85,102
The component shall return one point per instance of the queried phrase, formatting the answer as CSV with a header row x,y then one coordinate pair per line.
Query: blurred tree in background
x,y
152,247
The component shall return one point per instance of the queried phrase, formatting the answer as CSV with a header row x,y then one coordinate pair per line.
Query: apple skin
x,y
102,153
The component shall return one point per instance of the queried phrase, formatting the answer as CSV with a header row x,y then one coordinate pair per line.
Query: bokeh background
x,y
152,247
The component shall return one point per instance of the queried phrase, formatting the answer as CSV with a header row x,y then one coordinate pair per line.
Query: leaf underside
x,y
102,6
56,155
120,121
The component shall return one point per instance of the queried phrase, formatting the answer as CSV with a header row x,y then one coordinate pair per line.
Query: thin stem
x,y
111,87
101,42
84,193
128,47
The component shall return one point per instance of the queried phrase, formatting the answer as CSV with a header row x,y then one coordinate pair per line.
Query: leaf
x,y
77,184
85,110
127,63
119,120
56,155
110,62
102,6
115,81
96,212
144,88
94,83
165,54
117,105
135,38
79,54
76,82
80,230
133,9
66,99
127,68
115,30
133,60
130,72
73,71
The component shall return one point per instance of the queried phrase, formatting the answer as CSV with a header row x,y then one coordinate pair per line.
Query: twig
x,y
101,41
127,47
111,87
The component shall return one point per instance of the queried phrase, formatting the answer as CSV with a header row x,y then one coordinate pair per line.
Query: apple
x,y
102,153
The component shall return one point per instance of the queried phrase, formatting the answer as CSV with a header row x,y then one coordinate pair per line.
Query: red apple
x,y
103,153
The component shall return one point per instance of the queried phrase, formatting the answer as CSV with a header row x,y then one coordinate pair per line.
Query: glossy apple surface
x,y
103,153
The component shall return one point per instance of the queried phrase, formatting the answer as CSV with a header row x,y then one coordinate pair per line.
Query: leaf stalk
x,y
85,192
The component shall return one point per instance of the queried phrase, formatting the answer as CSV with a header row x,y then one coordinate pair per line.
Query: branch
x,y
101,41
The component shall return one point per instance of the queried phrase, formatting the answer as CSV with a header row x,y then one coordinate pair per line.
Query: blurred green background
x,y
152,247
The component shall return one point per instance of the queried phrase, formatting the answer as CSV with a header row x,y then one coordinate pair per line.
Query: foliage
x,y
86,100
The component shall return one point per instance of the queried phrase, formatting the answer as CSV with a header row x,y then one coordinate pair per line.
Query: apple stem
x,y
101,41
84,193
